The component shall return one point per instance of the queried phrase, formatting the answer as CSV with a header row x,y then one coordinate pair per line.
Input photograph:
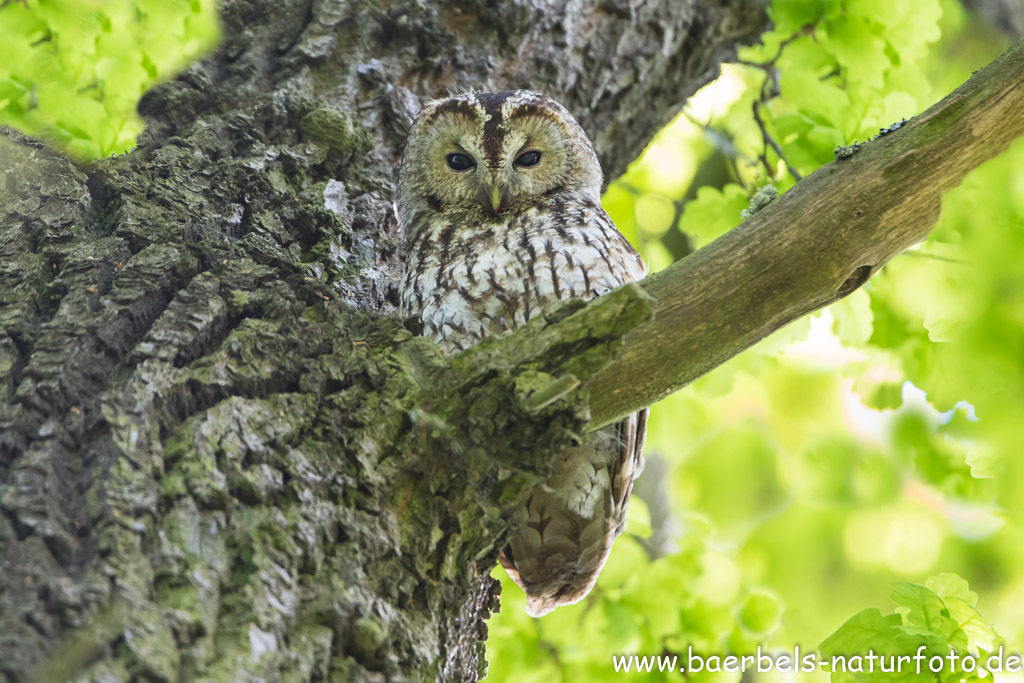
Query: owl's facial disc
x,y
497,153
534,159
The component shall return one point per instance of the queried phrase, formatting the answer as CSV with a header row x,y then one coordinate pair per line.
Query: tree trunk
x,y
220,457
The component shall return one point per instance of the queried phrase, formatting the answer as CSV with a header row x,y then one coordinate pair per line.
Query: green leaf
x,y
923,608
791,15
84,65
869,630
859,49
853,319
713,212
949,585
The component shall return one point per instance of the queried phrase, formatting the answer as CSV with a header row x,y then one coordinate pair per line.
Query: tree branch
x,y
219,457
816,244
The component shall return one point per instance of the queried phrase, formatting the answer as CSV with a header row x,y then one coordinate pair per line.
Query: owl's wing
x,y
632,434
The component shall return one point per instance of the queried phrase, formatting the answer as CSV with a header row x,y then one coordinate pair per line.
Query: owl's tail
x,y
570,524
561,565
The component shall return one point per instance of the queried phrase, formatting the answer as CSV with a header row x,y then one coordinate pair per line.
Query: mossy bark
x,y
221,456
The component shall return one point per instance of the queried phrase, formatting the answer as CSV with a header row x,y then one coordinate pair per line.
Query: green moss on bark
x,y
220,457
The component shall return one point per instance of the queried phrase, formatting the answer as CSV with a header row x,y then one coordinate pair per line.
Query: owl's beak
x,y
495,198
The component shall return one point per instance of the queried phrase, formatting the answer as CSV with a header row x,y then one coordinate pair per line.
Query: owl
x,y
499,200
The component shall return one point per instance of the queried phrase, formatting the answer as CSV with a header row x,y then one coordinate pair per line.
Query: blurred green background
x,y
72,71
838,486
797,486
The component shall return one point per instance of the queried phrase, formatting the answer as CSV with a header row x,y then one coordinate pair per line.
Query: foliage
x,y
870,446
74,70
867,447
931,621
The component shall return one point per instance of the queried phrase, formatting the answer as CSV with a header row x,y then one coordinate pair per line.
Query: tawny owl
x,y
499,199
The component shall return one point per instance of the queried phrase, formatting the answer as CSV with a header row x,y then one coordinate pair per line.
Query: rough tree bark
x,y
220,458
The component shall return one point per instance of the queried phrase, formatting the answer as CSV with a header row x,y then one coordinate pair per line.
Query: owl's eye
x,y
526,159
459,162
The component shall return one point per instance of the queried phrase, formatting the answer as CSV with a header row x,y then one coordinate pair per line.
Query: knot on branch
x,y
856,279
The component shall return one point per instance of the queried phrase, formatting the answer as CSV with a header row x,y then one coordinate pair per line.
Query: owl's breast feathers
x,y
467,280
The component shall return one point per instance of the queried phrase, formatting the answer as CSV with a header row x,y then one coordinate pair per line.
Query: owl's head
x,y
491,153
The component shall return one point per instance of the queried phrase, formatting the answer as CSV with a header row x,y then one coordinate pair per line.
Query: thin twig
x,y
935,257
769,140
770,79
805,30
719,139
